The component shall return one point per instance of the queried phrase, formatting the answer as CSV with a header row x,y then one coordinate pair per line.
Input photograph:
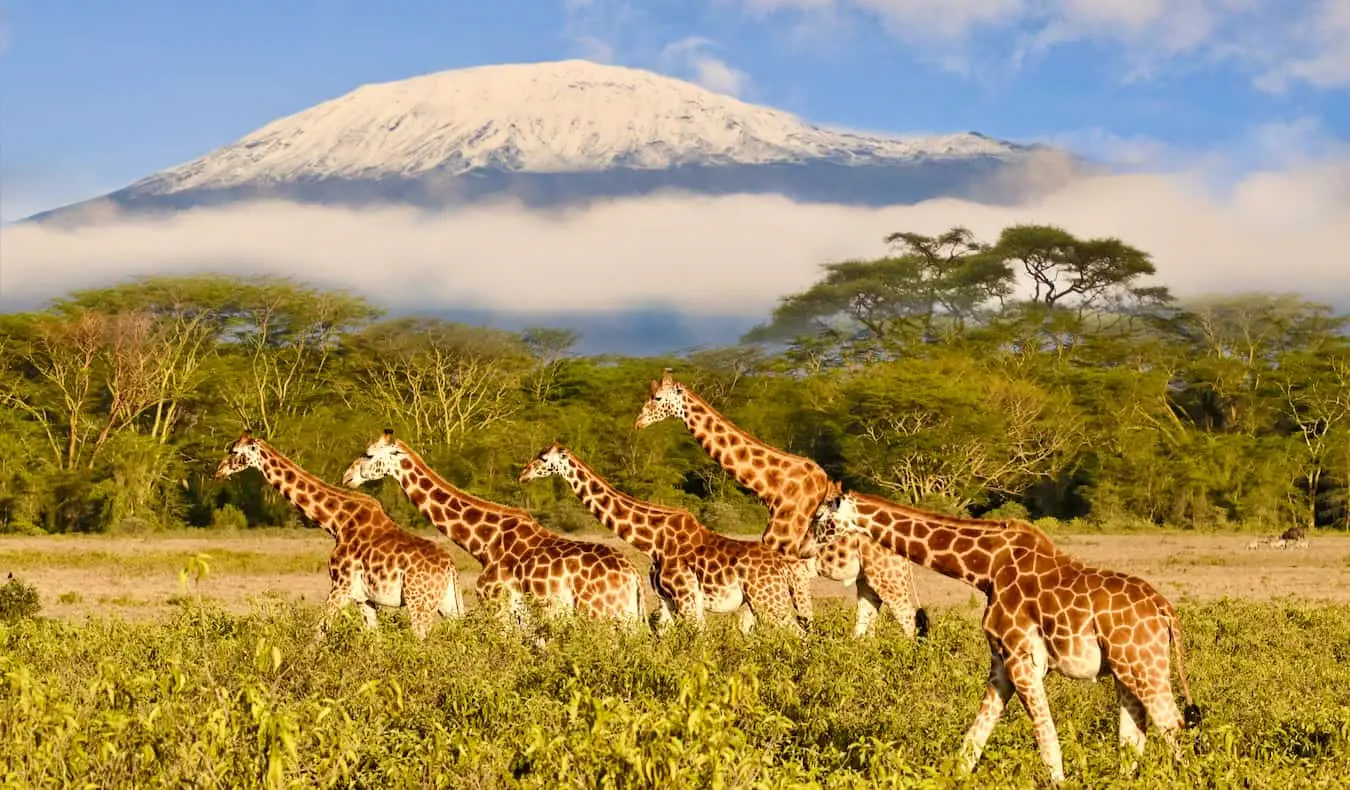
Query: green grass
x,y
159,562
206,699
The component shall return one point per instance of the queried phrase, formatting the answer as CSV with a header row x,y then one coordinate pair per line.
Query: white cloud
x,y
594,29
1322,57
1277,42
1276,145
689,56
1279,230
592,48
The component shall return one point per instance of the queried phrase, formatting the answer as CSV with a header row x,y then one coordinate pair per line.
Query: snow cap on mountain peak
x,y
552,117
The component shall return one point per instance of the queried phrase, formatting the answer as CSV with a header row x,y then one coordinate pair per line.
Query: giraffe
x,y
374,562
519,557
1045,611
694,569
791,486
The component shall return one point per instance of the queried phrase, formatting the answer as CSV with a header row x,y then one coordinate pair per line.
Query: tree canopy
x,y
1038,374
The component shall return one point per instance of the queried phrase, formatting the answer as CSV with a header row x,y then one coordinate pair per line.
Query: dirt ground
x,y
137,578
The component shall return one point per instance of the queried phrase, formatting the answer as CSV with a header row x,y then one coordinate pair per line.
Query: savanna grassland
x,y
201,697
159,628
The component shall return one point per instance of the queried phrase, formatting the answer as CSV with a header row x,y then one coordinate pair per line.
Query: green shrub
x,y
262,705
229,517
733,517
18,600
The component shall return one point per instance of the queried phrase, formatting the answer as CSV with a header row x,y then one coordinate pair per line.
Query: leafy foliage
x,y
924,375
212,700
18,600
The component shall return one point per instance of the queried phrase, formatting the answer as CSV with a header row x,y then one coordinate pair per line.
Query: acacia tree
x,y
927,288
1236,343
188,317
281,338
440,379
550,348
1064,268
1316,390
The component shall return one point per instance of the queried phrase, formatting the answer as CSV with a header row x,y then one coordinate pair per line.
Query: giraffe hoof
x,y
921,623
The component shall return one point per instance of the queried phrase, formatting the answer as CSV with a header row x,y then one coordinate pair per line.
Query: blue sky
x,y
97,94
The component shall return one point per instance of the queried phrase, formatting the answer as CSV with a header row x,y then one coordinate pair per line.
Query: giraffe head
x,y
666,400
383,458
836,517
553,461
245,452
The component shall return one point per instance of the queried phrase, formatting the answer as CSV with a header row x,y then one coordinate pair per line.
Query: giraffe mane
x,y
989,525
340,491
438,479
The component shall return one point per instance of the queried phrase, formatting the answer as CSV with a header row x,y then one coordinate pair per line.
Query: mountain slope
x,y
556,133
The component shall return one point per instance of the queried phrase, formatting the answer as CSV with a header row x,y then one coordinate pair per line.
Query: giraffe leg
x,y
681,584
665,611
1133,721
868,605
890,578
690,605
771,599
996,697
338,598
800,589
421,619
1153,689
370,615
1145,673
1027,673
747,620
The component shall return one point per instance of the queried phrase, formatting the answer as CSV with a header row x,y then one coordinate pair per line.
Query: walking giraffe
x,y
694,569
519,557
374,562
791,486
1045,611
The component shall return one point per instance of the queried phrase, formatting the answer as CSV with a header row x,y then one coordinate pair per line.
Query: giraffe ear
x,y
652,387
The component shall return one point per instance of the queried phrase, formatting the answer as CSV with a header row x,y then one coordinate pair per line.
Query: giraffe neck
x,y
615,509
459,516
971,550
318,500
731,446
455,513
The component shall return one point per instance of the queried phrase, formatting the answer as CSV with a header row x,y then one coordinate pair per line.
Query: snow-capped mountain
x,y
560,132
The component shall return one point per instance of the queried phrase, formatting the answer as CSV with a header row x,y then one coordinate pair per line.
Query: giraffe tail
x,y
921,624
1191,713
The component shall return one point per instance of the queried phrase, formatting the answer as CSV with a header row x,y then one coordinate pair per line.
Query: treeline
x,y
1035,375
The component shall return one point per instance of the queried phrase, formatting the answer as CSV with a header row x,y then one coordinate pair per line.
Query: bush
x,y
229,517
1009,510
474,707
566,515
734,518
18,600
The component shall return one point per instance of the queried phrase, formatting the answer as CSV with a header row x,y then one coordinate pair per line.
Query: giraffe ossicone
x,y
520,558
374,562
1046,611
694,570
791,487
